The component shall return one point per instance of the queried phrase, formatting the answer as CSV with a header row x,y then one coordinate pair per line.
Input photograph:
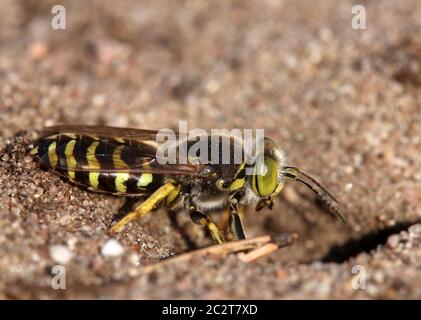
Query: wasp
x,y
124,162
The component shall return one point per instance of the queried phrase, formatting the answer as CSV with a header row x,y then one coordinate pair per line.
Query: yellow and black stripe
x,y
239,179
87,160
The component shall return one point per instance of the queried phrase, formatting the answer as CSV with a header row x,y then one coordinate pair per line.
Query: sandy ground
x,y
343,103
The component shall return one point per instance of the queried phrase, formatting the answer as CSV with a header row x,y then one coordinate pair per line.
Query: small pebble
x,y
66,219
60,254
38,50
415,230
134,259
112,248
378,277
98,100
393,241
372,290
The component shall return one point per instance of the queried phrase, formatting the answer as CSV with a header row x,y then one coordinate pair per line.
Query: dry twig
x,y
260,246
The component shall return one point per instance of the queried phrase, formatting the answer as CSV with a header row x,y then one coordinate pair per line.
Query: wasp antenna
x,y
328,199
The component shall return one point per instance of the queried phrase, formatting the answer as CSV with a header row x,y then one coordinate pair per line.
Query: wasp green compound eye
x,y
265,180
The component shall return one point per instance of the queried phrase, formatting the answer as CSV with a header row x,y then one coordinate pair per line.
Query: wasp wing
x,y
101,132
110,149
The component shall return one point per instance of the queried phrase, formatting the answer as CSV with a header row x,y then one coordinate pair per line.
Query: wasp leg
x,y
202,219
127,207
236,226
223,225
235,223
145,206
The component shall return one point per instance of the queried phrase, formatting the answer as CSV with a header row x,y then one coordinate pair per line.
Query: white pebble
x,y
372,290
112,248
60,254
393,241
98,100
415,230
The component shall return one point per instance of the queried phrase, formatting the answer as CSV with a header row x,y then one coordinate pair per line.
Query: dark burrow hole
x,y
366,243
